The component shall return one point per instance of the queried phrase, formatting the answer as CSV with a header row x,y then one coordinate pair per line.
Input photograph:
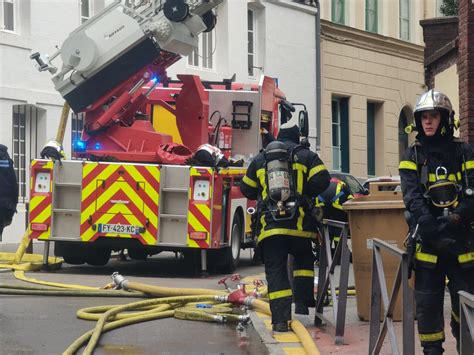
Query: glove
x,y
428,226
452,219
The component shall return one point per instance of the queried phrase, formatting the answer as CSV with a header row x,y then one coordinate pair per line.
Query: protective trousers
x,y
275,256
429,297
6,215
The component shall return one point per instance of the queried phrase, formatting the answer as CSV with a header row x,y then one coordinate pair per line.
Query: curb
x,y
276,343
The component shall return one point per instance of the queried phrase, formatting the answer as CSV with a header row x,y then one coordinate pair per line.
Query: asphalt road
x,y
48,325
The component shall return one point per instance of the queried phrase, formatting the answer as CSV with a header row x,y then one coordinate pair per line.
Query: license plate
x,y
118,228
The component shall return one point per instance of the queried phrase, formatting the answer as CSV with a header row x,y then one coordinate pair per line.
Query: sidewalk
x,y
356,334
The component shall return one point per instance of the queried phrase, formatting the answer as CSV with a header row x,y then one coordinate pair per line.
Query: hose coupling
x,y
221,298
245,318
248,301
220,319
119,281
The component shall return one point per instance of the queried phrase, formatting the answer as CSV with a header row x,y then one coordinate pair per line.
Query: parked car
x,y
353,183
394,179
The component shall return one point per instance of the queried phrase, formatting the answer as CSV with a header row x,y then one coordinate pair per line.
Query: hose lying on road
x,y
44,291
213,306
26,262
180,302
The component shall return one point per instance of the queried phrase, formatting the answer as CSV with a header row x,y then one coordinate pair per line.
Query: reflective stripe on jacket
x,y
418,170
311,178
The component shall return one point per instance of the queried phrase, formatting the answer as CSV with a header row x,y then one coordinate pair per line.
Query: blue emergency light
x,y
79,146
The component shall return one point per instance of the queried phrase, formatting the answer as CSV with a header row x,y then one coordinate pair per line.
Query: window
x,y
77,124
371,16
251,42
338,15
8,19
203,55
340,134
438,8
25,138
405,20
371,139
85,10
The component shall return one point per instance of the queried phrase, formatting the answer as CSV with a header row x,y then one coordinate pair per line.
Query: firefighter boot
x,y
301,308
433,348
280,327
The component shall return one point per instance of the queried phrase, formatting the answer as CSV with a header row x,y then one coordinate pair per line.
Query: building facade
x,y
371,64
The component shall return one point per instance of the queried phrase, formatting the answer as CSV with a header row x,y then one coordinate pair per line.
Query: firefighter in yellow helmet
x,y
285,178
437,178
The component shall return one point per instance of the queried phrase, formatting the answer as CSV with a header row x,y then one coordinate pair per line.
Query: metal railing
x,y
379,293
327,279
466,305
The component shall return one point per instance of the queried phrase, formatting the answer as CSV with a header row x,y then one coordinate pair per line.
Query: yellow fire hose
x,y
95,334
178,303
25,262
158,291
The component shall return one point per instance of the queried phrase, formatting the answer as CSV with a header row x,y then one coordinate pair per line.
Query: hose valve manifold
x,y
119,281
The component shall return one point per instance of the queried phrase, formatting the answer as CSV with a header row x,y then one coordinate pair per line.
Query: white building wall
x,y
230,38
41,25
290,44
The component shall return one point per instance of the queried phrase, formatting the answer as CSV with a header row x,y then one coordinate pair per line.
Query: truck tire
x,y
192,261
137,254
98,256
74,260
72,253
230,256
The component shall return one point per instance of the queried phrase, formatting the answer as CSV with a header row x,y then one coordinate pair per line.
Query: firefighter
x,y
286,227
8,189
437,177
331,201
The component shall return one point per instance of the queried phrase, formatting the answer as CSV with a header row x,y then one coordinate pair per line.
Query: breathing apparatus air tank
x,y
278,173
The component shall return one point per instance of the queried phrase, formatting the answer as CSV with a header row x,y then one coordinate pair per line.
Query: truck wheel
x,y
74,260
72,253
98,256
231,255
137,254
192,261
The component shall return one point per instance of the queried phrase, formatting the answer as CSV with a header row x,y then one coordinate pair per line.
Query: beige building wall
x,y
388,16
366,67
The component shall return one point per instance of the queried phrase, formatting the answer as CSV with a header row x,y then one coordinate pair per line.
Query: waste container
x,y
377,215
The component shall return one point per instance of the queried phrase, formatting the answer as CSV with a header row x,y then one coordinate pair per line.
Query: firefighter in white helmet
x,y
52,150
285,178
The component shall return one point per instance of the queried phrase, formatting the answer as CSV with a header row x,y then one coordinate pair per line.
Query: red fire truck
x,y
134,184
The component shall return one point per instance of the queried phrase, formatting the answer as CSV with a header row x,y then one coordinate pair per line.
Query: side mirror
x,y
303,123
